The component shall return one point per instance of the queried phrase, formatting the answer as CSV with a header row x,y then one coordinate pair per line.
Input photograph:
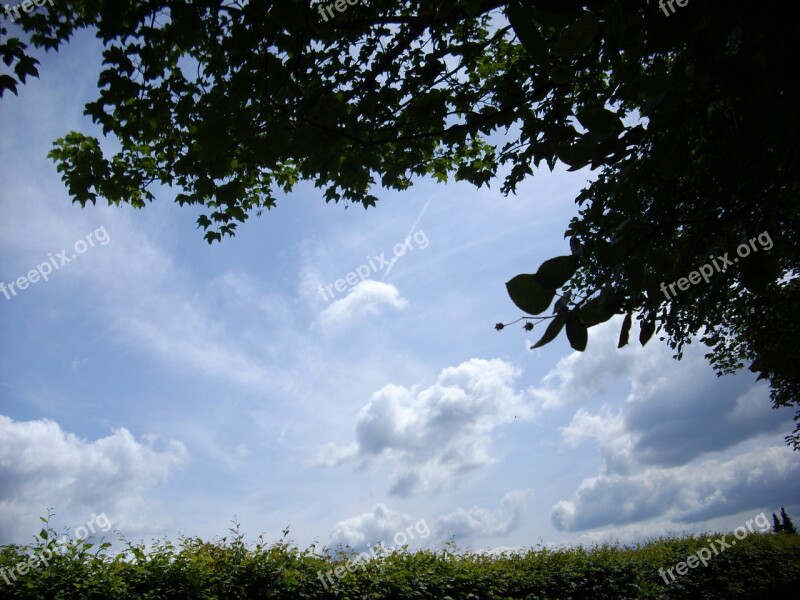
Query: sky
x,y
174,386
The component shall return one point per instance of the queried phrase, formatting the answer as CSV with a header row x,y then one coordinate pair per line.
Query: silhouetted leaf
x,y
577,333
553,329
647,328
594,312
529,295
555,272
625,331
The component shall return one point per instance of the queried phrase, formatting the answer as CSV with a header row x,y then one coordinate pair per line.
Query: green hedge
x,y
759,566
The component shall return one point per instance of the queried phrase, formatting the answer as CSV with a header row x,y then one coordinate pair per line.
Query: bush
x,y
757,566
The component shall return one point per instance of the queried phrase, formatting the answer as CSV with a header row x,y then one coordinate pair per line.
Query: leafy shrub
x,y
758,566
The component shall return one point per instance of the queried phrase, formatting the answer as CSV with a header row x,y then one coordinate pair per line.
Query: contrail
x,y
413,228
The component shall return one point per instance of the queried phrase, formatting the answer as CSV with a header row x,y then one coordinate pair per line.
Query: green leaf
x,y
553,329
625,331
555,272
577,333
528,294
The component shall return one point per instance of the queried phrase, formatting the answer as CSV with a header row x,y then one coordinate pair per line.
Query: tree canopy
x,y
688,117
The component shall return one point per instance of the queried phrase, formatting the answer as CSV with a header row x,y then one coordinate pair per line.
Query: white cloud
x,y
382,526
683,494
671,415
436,435
582,376
364,300
40,462
477,522
607,428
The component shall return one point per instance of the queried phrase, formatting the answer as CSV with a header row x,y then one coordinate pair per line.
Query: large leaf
x,y
647,328
553,329
594,312
529,295
577,333
555,272
625,331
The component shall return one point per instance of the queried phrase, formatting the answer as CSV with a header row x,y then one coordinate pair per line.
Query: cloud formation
x,y
478,522
364,300
686,494
40,462
661,443
435,436
382,526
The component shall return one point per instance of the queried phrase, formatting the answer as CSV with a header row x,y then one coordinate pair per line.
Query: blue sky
x,y
173,385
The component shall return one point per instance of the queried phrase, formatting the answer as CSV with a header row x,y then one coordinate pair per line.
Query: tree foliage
x,y
688,121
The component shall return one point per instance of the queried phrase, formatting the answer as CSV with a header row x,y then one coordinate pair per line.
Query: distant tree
x,y
784,524
690,119
777,526
787,525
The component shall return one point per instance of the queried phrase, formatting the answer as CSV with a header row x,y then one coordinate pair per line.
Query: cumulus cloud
x,y
669,416
364,300
43,466
436,435
478,522
582,376
685,494
665,401
382,526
